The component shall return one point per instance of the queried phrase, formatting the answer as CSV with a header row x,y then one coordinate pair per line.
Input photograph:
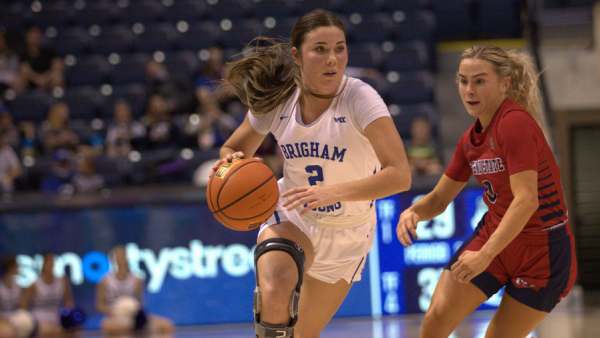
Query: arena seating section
x,y
106,44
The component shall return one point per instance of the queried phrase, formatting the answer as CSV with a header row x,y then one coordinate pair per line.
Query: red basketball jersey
x,y
513,142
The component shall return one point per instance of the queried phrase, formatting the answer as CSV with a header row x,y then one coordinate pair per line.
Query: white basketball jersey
x,y
332,150
9,297
116,288
47,299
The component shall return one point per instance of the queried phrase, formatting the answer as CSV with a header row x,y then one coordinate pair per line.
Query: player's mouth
x,y
472,103
330,74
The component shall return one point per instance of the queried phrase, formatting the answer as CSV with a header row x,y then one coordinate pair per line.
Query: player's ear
x,y
296,56
505,84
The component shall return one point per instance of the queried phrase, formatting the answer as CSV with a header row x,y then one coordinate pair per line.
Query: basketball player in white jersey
x,y
10,294
342,151
46,296
124,283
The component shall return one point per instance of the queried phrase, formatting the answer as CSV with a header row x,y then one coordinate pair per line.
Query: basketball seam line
x,y
242,197
225,182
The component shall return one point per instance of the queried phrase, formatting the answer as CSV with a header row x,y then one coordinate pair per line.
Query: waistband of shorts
x,y
549,235
342,222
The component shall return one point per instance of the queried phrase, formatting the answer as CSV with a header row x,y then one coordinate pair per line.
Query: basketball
x,y
242,194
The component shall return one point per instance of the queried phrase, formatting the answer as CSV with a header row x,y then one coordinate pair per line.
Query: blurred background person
x,y
56,130
176,91
421,149
8,127
60,179
161,132
215,126
46,296
41,66
10,292
124,134
120,296
10,78
10,167
87,179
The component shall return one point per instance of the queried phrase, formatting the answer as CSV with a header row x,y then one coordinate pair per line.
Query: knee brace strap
x,y
297,254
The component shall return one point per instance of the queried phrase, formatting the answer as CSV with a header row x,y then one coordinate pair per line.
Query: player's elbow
x,y
528,201
403,181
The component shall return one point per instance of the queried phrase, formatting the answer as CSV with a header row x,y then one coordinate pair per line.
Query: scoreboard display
x,y
408,276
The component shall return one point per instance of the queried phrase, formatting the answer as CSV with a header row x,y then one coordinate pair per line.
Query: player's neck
x,y
486,119
311,108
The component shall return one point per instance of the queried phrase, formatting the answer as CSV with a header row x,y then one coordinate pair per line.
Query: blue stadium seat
x,y
278,9
57,15
184,64
135,94
371,28
112,169
407,56
406,5
454,19
116,39
73,40
283,28
305,6
228,9
199,36
412,88
87,71
241,33
13,16
419,25
498,19
131,69
362,7
82,101
31,106
363,56
162,36
187,10
143,11
102,12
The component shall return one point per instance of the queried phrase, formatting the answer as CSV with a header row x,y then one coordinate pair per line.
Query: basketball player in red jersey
x,y
524,241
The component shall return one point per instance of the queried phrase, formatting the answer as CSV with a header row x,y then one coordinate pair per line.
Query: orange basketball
x,y
242,194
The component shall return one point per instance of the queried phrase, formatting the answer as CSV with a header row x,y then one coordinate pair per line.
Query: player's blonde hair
x,y
523,76
267,76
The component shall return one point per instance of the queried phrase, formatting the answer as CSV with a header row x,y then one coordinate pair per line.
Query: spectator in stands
x,y
8,129
29,142
10,167
176,91
124,134
87,179
161,132
61,177
215,126
41,67
208,90
421,149
10,77
56,130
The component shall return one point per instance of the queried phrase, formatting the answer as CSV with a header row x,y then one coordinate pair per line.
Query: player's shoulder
x,y
357,89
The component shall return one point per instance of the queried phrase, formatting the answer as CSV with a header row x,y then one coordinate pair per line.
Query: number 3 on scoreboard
x,y
317,172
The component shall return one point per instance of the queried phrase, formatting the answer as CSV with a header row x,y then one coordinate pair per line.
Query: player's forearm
x,y
387,182
224,151
518,214
429,206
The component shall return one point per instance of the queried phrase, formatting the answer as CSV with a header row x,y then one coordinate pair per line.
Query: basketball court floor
x,y
572,318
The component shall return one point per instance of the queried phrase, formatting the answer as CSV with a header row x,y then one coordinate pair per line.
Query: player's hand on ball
x,y
407,225
226,159
313,196
469,265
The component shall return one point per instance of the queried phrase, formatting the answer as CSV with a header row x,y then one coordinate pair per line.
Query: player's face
x,y
322,59
120,257
481,89
48,265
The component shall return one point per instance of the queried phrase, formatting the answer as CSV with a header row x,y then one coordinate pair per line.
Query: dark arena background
x,y
75,184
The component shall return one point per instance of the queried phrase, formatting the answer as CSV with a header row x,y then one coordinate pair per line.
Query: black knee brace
x,y
280,244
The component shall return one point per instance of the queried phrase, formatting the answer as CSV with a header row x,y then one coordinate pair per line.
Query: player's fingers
x,y
238,154
301,201
399,234
309,207
413,230
405,234
258,158
294,191
295,198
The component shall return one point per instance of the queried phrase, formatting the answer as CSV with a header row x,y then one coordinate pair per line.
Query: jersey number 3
x,y
489,191
318,174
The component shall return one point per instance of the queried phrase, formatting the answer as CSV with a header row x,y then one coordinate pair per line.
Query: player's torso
x,y
9,297
329,151
116,287
48,295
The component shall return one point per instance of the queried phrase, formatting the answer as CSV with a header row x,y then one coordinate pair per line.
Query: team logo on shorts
x,y
522,283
